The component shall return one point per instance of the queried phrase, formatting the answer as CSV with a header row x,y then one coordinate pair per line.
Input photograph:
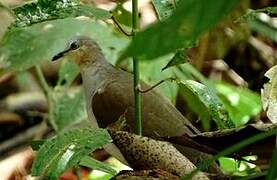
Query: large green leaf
x,y
66,150
68,107
204,102
25,47
241,103
269,94
181,30
44,10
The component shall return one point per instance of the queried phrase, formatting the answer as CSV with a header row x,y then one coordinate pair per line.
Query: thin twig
x,y
45,87
120,27
154,86
48,93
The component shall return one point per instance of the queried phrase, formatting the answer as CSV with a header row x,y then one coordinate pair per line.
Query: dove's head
x,y
82,50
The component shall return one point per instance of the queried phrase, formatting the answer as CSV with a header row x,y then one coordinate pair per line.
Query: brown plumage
x,y
109,94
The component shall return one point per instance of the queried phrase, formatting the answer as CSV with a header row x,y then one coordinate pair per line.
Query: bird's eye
x,y
74,46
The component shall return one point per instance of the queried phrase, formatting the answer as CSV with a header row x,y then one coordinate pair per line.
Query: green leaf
x,y
272,173
205,103
179,58
270,10
45,10
261,22
26,47
36,144
64,151
164,8
122,15
269,94
67,73
68,107
151,74
89,162
241,103
181,30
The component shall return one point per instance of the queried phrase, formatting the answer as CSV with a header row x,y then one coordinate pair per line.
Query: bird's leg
x,y
155,85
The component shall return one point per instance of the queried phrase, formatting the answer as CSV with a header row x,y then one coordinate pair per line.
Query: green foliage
x,y
68,107
36,144
241,103
232,149
164,8
25,47
151,73
179,58
181,30
238,168
203,101
45,10
88,161
272,173
66,150
122,15
67,73
261,22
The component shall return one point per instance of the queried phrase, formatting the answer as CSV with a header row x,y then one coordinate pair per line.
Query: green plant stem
x,y
45,87
48,93
135,29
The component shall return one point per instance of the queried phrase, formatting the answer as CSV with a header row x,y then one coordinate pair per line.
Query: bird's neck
x,y
95,74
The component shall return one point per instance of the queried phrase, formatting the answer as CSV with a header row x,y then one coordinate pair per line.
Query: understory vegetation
x,y
214,61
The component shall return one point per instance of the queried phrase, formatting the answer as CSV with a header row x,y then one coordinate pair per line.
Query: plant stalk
x,y
48,93
135,29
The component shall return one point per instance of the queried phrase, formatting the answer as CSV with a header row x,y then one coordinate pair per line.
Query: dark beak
x,y
60,55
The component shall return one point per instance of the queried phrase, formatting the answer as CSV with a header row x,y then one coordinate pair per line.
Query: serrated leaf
x,y
241,103
45,10
64,151
68,107
25,47
67,73
164,8
269,94
181,30
179,58
89,162
205,103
